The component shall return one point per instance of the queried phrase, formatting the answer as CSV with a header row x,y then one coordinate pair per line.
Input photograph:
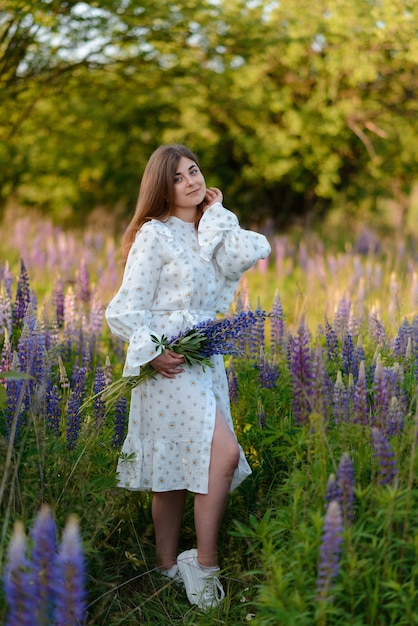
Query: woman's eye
x,y
177,179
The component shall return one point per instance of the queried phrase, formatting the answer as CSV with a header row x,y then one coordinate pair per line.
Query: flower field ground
x,y
324,398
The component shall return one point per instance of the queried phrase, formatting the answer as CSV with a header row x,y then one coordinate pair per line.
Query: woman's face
x,y
189,185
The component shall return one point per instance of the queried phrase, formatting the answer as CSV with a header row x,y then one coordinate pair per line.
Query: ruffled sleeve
x,y
234,249
129,312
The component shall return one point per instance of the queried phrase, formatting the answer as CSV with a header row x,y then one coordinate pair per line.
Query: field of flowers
x,y
324,397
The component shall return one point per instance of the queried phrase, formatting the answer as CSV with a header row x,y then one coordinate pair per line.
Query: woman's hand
x,y
168,364
213,194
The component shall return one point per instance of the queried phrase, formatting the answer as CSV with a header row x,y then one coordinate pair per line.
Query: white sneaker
x,y
202,586
172,574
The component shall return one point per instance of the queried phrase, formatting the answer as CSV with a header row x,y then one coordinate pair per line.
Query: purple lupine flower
x,y
360,355
345,488
120,423
96,315
15,393
86,343
73,419
268,372
58,299
22,297
18,581
319,400
402,338
277,324
219,336
331,342
27,342
381,397
70,318
99,384
5,311
350,361
83,283
361,407
414,346
331,492
232,383
69,585
342,316
43,535
330,551
33,299
301,374
386,465
396,414
340,400
376,328
53,409
7,279
256,337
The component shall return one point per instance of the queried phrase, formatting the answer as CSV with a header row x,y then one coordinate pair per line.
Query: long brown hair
x,y
156,192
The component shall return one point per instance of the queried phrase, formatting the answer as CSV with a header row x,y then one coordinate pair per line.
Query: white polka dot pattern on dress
x,y
174,278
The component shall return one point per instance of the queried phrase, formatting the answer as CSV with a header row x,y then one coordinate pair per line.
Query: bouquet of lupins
x,y
196,345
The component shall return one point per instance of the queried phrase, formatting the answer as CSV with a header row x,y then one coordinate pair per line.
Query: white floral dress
x,y
174,278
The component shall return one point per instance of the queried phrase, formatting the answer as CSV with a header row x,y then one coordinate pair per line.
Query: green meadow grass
x,y
271,534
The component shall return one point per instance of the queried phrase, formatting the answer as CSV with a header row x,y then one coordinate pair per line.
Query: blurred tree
x,y
292,106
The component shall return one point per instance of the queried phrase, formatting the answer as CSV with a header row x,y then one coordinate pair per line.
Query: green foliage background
x,y
294,107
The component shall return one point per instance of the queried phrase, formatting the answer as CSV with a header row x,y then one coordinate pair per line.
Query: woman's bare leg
x,y
167,515
209,508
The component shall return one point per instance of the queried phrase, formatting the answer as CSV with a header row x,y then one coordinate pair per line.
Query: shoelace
x,y
213,590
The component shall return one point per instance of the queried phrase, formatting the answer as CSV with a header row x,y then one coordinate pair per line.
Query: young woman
x,y
185,254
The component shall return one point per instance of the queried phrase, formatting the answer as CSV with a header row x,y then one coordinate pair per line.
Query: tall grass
x,y
325,406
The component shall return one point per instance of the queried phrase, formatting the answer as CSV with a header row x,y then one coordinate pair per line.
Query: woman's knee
x,y
225,445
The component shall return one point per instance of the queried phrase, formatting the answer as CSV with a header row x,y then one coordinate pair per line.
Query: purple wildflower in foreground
x,y
301,373
319,399
17,582
330,550
58,298
83,291
331,490
349,356
345,488
386,465
256,336
99,384
70,597
73,418
219,336
376,328
120,423
381,397
43,535
342,316
332,342
196,344
22,297
277,324
268,372
395,417
232,383
53,409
